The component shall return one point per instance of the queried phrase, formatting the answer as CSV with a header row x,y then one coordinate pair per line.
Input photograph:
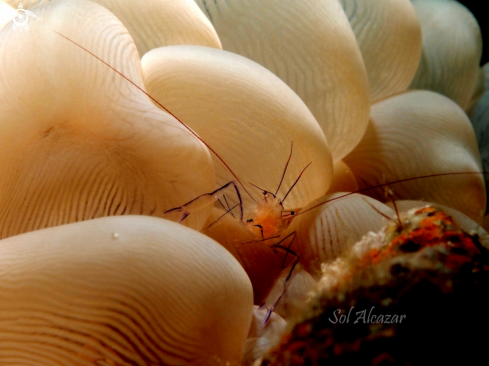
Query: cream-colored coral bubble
x,y
330,225
452,49
157,293
78,141
6,13
343,179
311,47
421,134
389,36
158,23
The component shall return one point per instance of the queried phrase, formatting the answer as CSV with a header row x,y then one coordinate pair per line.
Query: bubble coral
x,y
79,142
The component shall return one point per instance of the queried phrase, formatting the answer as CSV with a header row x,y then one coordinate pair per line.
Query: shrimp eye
x,y
250,220
292,213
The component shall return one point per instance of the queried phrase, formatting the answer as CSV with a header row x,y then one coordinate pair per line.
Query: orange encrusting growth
x,y
434,228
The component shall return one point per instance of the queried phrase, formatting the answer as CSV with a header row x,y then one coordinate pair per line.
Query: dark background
x,y
477,8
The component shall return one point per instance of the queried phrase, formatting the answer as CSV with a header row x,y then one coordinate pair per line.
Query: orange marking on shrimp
x,y
268,215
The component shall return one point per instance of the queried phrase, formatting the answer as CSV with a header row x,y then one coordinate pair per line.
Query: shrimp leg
x,y
287,251
204,200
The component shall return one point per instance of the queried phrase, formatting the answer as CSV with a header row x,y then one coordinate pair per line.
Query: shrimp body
x,y
266,219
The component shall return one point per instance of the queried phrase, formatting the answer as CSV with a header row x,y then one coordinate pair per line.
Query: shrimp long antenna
x,y
162,106
293,185
378,211
390,195
393,182
286,165
261,189
264,191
